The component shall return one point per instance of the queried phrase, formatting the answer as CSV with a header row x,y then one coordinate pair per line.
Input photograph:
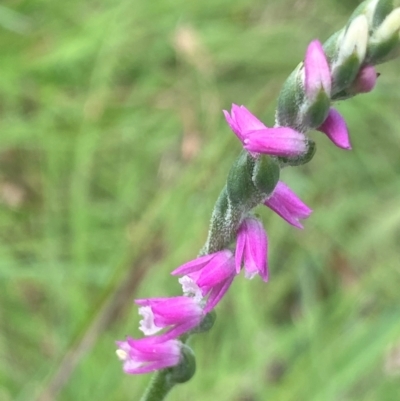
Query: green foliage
x,y
113,151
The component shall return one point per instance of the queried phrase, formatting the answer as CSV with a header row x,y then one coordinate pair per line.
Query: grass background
x,y
113,149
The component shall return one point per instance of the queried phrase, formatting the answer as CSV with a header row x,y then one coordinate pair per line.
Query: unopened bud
x,y
354,40
389,27
317,75
374,10
377,11
351,53
384,43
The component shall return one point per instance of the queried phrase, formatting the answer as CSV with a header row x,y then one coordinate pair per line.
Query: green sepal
x,y
222,204
291,97
299,160
331,46
343,95
381,11
186,368
206,324
266,174
378,53
345,74
239,185
222,224
316,113
359,10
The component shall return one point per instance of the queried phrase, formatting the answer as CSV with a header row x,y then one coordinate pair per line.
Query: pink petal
x,y
178,330
147,355
240,244
292,202
255,259
335,129
232,124
279,141
365,80
245,120
193,265
217,293
317,72
288,205
281,210
216,273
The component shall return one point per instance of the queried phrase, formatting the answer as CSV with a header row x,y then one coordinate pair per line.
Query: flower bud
x,y
317,86
351,53
384,43
317,76
377,10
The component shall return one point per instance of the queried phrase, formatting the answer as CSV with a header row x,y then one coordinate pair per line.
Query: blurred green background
x,y
113,149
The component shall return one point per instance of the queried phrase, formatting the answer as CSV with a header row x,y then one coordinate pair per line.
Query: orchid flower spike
x,y
210,275
148,355
251,248
288,205
257,138
180,314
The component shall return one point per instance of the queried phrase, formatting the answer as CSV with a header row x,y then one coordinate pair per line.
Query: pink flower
x,y
251,248
317,74
257,138
180,314
335,129
147,355
288,205
209,275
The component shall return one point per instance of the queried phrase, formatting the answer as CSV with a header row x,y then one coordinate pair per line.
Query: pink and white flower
x,y
148,354
257,138
288,205
252,248
178,314
208,276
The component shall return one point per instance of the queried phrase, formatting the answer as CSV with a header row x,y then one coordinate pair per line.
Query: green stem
x,y
159,387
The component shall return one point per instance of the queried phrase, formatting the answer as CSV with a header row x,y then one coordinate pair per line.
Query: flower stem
x,y
158,387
